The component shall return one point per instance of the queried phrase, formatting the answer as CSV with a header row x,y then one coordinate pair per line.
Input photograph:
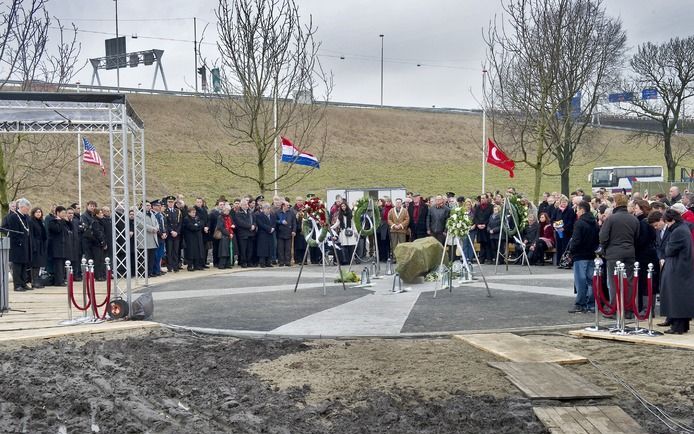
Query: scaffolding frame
x,y
79,113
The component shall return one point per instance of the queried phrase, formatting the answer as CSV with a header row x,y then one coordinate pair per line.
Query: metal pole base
x,y
654,333
638,331
596,329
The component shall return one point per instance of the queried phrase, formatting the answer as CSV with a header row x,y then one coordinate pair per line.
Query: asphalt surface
x,y
263,301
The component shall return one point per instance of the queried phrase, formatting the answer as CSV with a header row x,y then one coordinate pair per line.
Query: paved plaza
x,y
263,302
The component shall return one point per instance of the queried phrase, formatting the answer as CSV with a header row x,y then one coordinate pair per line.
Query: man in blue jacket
x,y
584,242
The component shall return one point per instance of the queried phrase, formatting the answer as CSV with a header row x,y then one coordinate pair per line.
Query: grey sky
x,y
444,36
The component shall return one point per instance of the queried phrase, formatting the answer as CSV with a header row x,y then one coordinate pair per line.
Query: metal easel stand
x,y
377,263
466,266
321,246
360,234
504,216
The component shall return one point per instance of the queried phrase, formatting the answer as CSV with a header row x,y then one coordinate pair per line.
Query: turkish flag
x,y
496,157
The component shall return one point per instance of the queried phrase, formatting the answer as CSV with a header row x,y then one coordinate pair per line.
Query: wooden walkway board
x,y
587,420
549,381
519,349
675,341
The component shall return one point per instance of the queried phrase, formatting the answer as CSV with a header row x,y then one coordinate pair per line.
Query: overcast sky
x,y
444,36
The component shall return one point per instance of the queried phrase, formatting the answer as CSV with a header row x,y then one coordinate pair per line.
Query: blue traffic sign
x,y
649,94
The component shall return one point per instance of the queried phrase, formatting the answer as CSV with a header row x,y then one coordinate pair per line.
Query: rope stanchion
x,y
87,298
597,296
92,285
651,332
602,305
634,301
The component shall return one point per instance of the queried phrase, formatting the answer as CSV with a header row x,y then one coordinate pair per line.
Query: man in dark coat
x,y
618,237
418,218
299,241
173,221
203,215
584,242
20,250
61,243
90,246
436,220
677,276
39,244
212,224
192,235
266,227
480,220
244,220
75,244
286,230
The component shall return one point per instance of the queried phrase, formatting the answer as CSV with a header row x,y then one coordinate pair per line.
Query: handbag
x,y
349,232
217,235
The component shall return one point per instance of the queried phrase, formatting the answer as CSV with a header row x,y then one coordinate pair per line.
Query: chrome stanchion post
x,y
389,266
651,315
107,260
68,273
90,266
597,272
85,272
635,295
621,273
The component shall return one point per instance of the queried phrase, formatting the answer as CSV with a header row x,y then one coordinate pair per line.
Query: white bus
x,y
618,178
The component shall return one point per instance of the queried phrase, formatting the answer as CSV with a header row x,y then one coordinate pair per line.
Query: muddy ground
x,y
164,381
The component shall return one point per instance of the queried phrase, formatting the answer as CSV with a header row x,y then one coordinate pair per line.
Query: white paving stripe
x,y
195,293
548,290
376,314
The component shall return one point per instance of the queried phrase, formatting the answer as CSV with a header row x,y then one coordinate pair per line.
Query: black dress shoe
x,y
191,269
20,289
672,332
37,286
664,324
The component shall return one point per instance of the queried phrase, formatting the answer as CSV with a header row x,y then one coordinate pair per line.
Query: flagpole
x,y
484,130
79,170
274,116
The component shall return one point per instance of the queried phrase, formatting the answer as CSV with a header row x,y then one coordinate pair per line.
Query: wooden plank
x,y
577,419
587,420
623,420
675,341
598,419
548,381
519,349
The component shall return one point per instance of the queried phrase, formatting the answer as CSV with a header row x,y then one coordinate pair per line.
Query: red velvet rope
x,y
71,291
92,289
602,306
650,298
108,289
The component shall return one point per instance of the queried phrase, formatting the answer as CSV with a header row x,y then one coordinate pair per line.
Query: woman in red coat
x,y
544,241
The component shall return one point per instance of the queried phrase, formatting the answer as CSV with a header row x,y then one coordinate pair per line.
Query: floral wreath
x,y
518,213
315,211
459,223
361,209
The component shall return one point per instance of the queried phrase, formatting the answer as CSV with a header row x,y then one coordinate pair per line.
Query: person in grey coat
x,y
618,237
436,219
677,275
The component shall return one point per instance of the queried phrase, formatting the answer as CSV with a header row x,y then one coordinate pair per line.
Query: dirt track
x,y
162,381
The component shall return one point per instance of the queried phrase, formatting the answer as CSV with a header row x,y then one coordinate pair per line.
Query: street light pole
x,y
381,36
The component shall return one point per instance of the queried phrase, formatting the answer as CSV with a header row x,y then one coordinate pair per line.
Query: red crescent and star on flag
x,y
498,158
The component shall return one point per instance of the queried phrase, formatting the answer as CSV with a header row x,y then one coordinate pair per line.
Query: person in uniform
x,y
173,220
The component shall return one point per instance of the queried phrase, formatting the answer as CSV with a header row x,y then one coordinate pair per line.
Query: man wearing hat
x,y
173,218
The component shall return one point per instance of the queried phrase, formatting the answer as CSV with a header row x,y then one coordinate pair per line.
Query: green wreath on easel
x,y
361,209
307,227
517,213
314,209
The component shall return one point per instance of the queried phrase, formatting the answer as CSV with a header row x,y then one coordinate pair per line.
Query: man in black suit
x,y
418,211
20,252
173,219
245,233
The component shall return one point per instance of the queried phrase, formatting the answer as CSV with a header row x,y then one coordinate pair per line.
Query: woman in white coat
x,y
347,233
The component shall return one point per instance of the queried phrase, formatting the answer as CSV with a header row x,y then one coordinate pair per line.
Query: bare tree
x,y
269,60
524,52
591,55
550,65
26,54
669,69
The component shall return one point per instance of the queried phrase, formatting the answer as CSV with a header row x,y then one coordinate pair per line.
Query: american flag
x,y
91,156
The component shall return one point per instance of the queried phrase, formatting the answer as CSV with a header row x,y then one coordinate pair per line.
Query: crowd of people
x,y
252,232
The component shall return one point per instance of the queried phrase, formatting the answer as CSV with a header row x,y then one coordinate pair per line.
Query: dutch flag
x,y
292,154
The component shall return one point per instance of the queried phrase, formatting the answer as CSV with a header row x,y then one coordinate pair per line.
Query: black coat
x,y
243,221
568,217
76,250
266,224
531,233
677,276
646,253
62,242
284,231
494,226
480,216
173,221
98,233
201,213
418,227
39,243
212,218
584,241
18,224
618,235
192,236
299,241
225,241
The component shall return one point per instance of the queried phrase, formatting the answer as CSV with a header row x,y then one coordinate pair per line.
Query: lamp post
x,y
381,36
